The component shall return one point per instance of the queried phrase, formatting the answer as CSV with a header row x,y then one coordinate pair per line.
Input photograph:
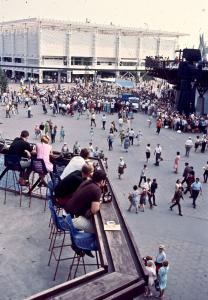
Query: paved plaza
x,y
185,238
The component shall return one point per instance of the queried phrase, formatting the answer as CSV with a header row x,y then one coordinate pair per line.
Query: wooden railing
x,y
121,275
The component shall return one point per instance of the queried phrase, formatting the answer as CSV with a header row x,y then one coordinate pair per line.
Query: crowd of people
x,y
82,184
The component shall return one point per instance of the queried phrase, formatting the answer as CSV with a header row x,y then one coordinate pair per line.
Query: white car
x,y
134,101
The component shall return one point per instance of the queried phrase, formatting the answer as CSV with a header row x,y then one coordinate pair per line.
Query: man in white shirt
x,y
158,151
188,145
76,163
120,122
103,121
131,136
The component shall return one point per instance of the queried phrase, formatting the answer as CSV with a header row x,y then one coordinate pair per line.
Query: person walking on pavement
x,y
188,145
131,136
134,199
120,123
158,126
121,167
143,175
147,186
93,119
205,175
110,141
126,143
186,171
178,185
203,143
176,200
139,138
163,277
153,188
122,136
196,187
151,277
158,151
148,152
143,197
160,257
190,179
176,162
197,143
103,121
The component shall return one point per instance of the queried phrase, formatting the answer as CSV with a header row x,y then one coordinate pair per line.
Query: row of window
x,y
88,61
17,60
75,61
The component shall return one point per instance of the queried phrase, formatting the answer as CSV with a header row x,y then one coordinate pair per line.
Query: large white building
x,y
28,44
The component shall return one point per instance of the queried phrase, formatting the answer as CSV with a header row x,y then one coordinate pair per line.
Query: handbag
x,y
130,197
157,285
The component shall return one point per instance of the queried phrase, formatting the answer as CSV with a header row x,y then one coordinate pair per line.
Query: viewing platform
x,y
25,273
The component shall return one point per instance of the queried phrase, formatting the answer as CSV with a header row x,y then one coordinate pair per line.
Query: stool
x,y
60,228
38,167
82,243
12,163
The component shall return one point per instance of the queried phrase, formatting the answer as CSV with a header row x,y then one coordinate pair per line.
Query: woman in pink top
x,y
176,162
44,150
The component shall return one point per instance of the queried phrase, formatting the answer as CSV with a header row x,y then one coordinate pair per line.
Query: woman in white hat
x,y
160,257
121,167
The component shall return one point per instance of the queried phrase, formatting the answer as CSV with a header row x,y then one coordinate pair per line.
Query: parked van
x,y
134,101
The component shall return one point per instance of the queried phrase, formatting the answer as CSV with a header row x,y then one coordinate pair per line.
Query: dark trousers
x,y
188,189
104,124
179,206
157,159
53,136
158,130
110,145
184,180
131,138
140,181
194,196
187,151
205,176
152,197
150,201
93,122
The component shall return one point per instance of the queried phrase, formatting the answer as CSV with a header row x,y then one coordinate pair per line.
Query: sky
x,y
186,16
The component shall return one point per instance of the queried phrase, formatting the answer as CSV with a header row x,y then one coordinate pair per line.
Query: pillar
x,y
94,47
117,49
40,61
68,55
158,47
40,76
117,74
138,50
2,45
59,79
13,44
25,50
13,73
68,76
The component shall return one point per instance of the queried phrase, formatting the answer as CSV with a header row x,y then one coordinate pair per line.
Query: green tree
x,y
3,81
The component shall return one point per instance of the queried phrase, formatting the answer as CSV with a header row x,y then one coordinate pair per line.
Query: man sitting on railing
x,y
85,202
23,149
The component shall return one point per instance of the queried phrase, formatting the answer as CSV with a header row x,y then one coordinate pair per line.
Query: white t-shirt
x,y
76,163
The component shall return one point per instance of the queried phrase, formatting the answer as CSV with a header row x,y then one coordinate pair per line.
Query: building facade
x,y
39,46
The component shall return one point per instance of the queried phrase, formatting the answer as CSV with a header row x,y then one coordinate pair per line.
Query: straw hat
x,y
45,139
161,246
